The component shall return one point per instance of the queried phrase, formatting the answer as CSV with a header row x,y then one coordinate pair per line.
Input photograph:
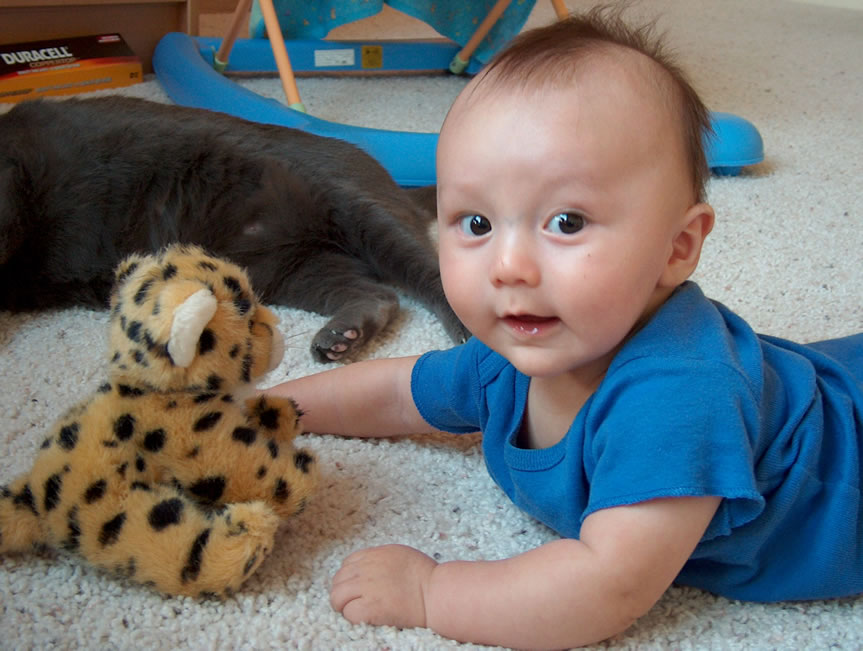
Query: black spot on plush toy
x,y
166,475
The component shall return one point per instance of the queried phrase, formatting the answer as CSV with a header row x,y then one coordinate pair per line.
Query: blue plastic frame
x,y
184,67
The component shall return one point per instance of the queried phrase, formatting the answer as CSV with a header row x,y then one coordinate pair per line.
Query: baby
x,y
649,426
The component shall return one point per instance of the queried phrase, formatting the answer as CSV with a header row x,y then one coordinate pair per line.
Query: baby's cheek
x,y
454,276
458,298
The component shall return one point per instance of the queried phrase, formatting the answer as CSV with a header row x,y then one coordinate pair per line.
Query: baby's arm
x,y
565,593
370,398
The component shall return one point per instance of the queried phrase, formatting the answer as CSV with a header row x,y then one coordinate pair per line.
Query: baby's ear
x,y
686,246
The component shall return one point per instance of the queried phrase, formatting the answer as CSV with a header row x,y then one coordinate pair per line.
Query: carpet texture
x,y
785,254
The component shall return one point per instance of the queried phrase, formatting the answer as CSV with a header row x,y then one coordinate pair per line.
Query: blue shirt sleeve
x,y
663,428
446,389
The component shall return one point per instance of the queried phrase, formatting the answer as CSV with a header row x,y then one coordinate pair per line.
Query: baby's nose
x,y
515,264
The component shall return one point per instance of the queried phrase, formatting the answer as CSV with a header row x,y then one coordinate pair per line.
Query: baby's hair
x,y
551,54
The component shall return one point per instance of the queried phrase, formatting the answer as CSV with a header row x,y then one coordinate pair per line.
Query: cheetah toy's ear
x,y
190,319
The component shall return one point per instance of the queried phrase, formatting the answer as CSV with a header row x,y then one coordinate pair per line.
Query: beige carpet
x,y
786,253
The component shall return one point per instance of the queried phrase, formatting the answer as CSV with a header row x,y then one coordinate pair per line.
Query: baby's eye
x,y
566,223
476,225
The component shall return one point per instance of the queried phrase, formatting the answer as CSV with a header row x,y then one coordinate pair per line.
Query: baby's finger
x,y
342,592
356,612
354,557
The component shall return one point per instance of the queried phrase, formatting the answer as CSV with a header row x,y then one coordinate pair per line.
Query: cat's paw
x,y
331,345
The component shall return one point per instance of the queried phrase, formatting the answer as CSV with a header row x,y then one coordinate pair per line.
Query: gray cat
x,y
318,223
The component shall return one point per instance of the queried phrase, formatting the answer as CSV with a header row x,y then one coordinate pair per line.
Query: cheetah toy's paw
x,y
240,539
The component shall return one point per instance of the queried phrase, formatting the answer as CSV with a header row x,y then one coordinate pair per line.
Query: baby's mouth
x,y
530,324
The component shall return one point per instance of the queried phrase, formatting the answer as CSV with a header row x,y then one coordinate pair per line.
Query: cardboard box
x,y
65,66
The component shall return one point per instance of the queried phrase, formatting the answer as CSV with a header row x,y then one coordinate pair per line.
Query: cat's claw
x,y
331,345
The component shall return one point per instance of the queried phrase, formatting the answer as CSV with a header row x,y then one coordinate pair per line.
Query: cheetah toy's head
x,y
183,320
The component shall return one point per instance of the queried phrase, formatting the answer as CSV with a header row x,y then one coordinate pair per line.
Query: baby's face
x,y
557,210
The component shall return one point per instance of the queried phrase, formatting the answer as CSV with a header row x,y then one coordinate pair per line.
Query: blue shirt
x,y
694,404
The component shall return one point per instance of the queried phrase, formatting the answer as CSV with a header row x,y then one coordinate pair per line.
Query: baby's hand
x,y
383,586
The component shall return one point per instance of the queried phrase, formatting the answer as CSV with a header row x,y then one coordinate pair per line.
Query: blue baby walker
x,y
191,70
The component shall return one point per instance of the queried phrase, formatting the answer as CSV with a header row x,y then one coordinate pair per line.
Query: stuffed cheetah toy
x,y
166,475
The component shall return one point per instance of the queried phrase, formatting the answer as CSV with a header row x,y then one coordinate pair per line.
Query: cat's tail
x,y
20,527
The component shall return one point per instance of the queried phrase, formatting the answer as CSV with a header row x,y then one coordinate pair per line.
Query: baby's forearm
x,y
571,592
565,593
555,596
369,398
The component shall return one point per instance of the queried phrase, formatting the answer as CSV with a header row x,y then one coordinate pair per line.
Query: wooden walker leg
x,y
224,53
460,61
560,9
280,52
277,43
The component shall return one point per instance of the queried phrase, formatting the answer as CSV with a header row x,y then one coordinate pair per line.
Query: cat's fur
x,y
318,223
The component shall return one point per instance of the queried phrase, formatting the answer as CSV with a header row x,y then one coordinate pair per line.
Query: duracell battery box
x,y
63,66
